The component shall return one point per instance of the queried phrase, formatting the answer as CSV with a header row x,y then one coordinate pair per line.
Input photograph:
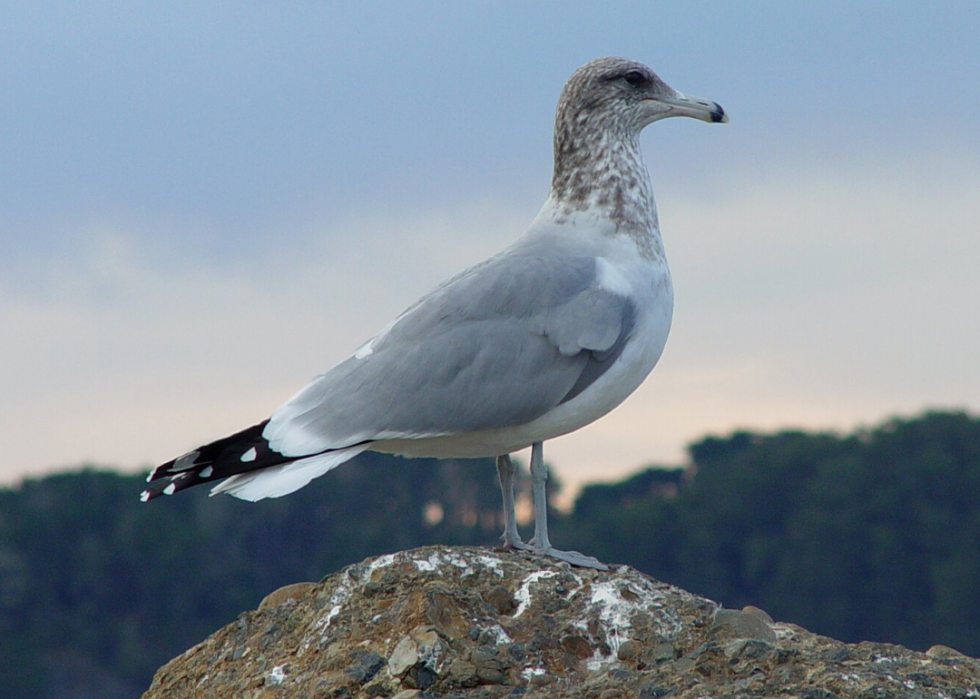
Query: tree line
x,y
869,535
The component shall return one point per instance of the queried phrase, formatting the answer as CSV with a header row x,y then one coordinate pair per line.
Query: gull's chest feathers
x,y
630,266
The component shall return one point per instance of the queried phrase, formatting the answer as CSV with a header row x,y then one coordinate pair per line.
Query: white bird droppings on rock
x,y
523,594
276,676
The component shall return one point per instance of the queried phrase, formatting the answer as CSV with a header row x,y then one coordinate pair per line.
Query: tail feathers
x,y
276,481
254,470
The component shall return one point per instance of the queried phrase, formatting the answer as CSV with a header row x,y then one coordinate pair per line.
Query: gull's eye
x,y
635,78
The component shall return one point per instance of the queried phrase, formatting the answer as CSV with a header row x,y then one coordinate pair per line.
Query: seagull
x,y
533,343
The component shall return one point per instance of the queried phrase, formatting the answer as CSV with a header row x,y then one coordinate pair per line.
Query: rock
x,y
405,655
412,694
364,665
285,594
731,623
468,623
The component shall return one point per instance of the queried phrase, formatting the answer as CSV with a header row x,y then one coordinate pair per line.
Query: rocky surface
x,y
480,623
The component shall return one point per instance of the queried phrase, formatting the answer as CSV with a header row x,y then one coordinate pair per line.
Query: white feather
x,y
276,481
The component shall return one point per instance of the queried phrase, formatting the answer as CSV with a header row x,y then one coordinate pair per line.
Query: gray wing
x,y
498,345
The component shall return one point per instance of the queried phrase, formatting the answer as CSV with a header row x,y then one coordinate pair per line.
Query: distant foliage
x,y
873,535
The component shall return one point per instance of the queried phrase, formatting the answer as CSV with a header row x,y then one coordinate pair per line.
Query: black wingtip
x,y
172,484
241,452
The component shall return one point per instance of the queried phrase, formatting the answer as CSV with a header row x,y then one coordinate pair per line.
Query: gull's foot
x,y
515,543
573,557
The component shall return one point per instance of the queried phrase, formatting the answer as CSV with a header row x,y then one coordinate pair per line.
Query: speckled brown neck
x,y
599,168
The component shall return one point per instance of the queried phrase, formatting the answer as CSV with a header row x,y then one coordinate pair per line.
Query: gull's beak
x,y
697,107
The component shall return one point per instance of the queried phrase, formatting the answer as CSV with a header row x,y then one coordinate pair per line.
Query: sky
x,y
203,205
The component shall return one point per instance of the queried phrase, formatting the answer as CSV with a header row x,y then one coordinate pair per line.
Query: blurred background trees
x,y
872,535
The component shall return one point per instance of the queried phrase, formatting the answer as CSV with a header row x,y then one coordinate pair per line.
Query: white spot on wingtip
x,y
145,496
250,455
170,489
206,471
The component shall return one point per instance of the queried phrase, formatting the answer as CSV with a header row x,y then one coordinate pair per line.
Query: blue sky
x,y
203,206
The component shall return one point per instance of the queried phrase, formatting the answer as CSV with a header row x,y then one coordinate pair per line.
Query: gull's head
x,y
598,164
625,94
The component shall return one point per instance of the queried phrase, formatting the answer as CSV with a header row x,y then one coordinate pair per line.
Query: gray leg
x,y
540,543
539,483
506,468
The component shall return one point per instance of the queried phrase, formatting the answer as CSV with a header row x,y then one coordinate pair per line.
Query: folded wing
x,y
496,346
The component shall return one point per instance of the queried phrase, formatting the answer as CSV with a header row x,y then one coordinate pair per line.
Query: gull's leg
x,y
539,483
540,543
506,468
